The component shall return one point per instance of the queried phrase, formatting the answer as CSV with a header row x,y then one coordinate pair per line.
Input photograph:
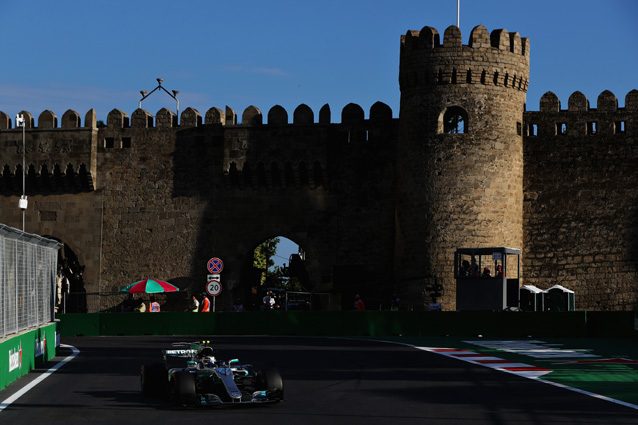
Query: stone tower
x,y
460,152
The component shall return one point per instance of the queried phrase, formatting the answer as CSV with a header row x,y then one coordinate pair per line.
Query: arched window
x,y
455,120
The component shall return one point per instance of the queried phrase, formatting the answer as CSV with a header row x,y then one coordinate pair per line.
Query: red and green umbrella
x,y
149,286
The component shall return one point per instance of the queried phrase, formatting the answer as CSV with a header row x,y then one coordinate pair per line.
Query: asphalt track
x,y
327,381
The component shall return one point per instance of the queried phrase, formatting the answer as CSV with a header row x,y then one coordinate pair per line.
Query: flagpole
x,y
458,14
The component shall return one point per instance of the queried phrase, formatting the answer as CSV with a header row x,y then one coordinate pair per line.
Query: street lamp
x,y
172,93
23,203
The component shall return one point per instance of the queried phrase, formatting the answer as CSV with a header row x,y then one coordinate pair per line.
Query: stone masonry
x,y
379,204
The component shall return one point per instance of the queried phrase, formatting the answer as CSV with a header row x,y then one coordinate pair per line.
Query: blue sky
x,y
70,54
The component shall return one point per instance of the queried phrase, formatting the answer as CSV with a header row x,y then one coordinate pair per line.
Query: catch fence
x,y
28,266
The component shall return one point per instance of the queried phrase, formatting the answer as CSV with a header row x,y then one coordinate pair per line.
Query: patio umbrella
x,y
149,286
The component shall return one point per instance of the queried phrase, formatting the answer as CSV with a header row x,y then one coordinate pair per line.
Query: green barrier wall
x,y
21,353
350,323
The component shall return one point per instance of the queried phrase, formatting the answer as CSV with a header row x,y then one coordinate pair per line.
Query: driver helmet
x,y
208,361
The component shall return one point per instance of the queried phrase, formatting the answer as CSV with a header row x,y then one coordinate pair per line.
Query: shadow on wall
x,y
197,170
632,236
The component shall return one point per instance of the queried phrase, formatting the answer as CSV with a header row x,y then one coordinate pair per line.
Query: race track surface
x,y
327,381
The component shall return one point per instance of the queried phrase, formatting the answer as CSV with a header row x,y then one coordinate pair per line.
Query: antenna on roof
x,y
458,14
145,94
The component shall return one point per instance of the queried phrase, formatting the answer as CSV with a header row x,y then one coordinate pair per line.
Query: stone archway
x,y
258,275
71,292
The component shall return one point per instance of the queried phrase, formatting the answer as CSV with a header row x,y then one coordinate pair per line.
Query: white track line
x,y
453,354
6,403
449,352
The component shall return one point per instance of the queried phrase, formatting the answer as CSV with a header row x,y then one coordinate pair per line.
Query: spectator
x,y
205,304
474,268
142,307
359,305
154,306
194,305
486,272
499,271
269,301
465,269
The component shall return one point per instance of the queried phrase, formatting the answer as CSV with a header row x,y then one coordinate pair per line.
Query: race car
x,y
191,375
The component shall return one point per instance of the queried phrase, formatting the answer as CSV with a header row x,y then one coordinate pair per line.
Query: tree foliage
x,y
263,257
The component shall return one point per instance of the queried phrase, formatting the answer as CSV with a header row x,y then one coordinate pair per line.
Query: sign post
x,y
213,286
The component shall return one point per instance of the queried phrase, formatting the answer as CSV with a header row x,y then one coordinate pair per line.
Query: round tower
x,y
460,152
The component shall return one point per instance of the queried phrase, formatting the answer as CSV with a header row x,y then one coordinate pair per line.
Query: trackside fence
x,y
28,266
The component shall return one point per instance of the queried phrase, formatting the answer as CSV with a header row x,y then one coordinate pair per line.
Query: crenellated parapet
x,y
191,117
499,58
63,155
581,119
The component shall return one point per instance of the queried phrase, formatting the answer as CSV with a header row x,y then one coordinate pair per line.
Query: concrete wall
x,y
19,354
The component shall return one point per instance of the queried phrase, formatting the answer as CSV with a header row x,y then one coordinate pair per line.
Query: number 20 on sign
x,y
214,288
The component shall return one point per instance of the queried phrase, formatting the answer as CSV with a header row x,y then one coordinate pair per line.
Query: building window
x,y
519,128
561,128
532,130
455,120
126,142
592,128
619,127
109,143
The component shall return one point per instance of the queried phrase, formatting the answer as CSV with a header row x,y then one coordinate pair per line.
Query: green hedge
x,y
350,323
20,353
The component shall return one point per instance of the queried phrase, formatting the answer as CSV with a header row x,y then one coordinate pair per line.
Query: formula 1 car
x,y
191,375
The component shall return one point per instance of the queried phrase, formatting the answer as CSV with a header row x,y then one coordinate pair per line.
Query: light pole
x,y
172,93
23,203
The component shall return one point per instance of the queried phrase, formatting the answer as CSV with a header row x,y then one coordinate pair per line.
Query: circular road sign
x,y
215,265
214,288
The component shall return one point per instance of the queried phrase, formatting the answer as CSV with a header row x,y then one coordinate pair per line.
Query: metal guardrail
x,y
28,265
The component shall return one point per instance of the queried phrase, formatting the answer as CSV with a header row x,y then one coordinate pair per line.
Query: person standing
x,y
205,304
154,307
359,305
194,304
142,307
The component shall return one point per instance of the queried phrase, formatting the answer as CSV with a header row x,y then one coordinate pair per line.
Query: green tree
x,y
263,257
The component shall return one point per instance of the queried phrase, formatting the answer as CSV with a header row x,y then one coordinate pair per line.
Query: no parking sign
x,y
215,265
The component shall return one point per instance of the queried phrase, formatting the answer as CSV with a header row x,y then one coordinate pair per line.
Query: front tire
x,y
183,388
273,384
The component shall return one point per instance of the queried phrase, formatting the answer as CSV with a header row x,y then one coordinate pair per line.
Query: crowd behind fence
x,y
28,267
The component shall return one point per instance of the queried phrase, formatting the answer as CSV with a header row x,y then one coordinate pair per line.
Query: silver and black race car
x,y
191,375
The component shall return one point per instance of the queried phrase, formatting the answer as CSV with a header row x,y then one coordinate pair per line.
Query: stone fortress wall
x,y
581,198
165,198
379,204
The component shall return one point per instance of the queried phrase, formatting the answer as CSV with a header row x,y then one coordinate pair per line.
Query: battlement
x,y
580,119
498,40
578,102
499,58
351,114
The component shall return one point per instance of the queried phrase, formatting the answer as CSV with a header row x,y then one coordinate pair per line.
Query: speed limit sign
x,y
214,288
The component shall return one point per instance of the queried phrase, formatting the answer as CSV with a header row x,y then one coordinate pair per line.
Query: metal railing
x,y
28,266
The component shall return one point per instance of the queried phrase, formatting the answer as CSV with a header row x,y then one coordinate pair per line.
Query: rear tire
x,y
183,388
